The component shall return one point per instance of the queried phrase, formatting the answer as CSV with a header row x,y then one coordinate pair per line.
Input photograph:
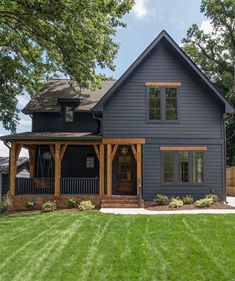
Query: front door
x,y
125,171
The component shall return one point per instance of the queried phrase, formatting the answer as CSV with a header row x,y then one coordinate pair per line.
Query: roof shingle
x,y
47,98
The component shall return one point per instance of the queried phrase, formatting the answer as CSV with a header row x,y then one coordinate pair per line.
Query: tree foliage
x,y
43,38
214,53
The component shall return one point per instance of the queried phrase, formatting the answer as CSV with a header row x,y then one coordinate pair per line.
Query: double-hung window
x,y
183,167
162,103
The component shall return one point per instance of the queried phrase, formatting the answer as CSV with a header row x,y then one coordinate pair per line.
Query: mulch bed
x,y
150,205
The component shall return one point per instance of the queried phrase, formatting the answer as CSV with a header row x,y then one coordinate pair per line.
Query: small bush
x,y
49,206
6,203
30,204
161,199
176,202
86,205
214,197
72,202
188,199
205,202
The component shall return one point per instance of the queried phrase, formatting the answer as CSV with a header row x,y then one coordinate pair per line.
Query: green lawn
x,y
93,246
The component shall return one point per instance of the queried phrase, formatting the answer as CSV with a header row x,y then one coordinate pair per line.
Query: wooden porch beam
x,y
18,149
32,154
57,168
63,149
114,152
123,141
101,171
52,150
97,151
45,142
134,151
109,169
12,168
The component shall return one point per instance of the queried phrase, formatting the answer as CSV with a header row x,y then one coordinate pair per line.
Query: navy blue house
x,y
158,129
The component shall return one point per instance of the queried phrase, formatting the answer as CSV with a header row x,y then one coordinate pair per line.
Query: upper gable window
x,y
162,103
69,114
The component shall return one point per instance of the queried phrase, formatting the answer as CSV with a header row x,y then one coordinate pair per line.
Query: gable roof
x,y
164,35
4,163
47,98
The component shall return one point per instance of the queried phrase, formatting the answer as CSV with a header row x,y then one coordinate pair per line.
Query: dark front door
x,y
124,172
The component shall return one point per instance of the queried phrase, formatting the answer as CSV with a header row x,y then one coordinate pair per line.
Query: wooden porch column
x,y
139,166
13,169
32,154
109,169
57,169
101,171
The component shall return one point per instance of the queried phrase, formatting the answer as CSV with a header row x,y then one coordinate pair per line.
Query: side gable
x,y
228,108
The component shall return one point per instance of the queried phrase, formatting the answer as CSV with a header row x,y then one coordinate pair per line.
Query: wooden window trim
x,y
163,84
183,148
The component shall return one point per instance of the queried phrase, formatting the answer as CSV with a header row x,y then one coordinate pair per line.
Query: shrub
x,y
7,203
49,206
214,197
30,204
86,205
161,199
205,202
176,202
188,199
72,202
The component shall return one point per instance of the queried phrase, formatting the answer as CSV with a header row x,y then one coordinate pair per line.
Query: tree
x,y
214,53
40,39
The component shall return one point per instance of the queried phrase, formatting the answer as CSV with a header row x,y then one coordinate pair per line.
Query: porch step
x,y
119,201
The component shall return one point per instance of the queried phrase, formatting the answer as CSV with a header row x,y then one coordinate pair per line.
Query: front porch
x,y
115,171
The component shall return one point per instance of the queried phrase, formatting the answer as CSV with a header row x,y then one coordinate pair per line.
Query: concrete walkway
x,y
230,200
142,211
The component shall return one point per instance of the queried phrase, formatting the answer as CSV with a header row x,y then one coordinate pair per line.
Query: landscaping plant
x,y
49,206
86,205
161,199
72,202
188,199
30,204
205,202
176,202
6,203
214,197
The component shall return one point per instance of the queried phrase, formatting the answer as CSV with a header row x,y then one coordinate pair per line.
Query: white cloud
x,y
206,26
140,9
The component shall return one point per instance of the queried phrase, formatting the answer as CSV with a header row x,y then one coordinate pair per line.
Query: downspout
x,y
225,159
100,133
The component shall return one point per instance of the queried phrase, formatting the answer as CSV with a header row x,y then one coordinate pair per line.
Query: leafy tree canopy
x,y
43,38
214,53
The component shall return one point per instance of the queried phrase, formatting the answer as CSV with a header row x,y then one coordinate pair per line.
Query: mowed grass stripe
x,y
89,246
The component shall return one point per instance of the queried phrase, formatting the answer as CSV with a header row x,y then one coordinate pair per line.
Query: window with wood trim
x,y
162,103
183,167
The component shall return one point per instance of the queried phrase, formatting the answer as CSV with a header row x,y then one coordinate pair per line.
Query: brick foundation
x,y
19,201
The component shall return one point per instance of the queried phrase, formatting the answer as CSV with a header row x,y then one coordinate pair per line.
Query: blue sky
x,y
146,20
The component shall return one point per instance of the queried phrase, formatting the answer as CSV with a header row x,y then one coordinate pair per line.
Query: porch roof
x,y
52,136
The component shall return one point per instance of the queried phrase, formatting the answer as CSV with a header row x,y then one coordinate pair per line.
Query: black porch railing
x,y
80,186
34,186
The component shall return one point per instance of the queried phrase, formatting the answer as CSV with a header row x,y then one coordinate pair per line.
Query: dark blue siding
x,y
54,122
200,122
